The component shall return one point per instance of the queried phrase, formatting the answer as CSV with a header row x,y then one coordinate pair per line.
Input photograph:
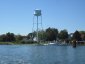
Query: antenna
x,y
37,14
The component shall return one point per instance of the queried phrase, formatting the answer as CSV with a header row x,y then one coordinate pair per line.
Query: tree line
x,y
53,34
49,34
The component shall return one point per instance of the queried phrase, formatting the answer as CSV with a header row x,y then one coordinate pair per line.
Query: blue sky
x,y
16,16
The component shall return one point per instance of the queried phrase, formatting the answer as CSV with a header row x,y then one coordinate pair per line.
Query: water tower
x,y
38,22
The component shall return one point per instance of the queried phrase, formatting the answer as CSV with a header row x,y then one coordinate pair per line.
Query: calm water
x,y
31,54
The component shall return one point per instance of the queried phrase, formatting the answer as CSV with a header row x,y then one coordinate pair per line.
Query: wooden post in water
x,y
74,43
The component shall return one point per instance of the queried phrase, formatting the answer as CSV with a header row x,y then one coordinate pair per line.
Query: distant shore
x,y
43,44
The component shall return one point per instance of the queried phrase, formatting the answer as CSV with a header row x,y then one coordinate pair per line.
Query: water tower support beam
x,y
37,29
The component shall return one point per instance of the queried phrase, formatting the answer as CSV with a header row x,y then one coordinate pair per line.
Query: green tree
x,y
10,37
77,36
42,35
82,35
51,34
63,34
19,39
3,38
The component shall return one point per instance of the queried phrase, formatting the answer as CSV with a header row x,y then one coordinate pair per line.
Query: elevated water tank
x,y
37,12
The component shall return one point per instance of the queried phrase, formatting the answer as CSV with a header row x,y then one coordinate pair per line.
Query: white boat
x,y
45,44
52,43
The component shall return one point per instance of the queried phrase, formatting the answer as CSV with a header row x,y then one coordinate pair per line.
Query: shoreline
x,y
41,44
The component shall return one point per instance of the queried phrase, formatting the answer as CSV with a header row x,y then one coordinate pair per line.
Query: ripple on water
x,y
42,55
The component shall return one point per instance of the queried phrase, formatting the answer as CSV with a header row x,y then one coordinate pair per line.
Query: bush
x,y
27,42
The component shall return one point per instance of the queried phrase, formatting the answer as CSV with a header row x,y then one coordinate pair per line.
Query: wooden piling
x,y
74,43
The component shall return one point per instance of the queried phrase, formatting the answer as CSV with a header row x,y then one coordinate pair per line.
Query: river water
x,y
35,54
